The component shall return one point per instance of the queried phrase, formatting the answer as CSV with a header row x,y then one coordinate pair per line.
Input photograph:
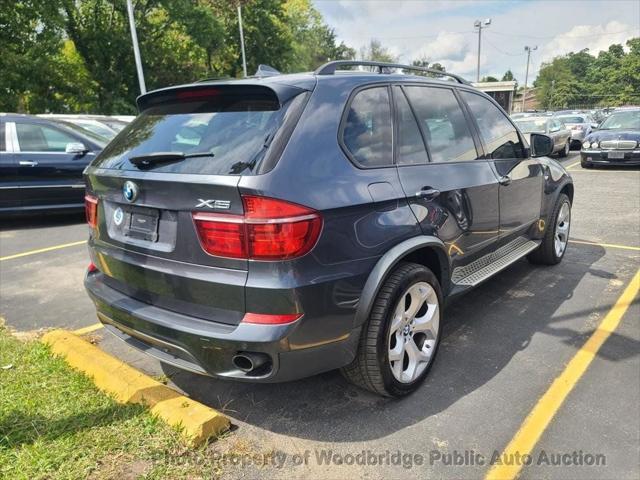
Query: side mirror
x,y
555,129
541,145
76,148
594,126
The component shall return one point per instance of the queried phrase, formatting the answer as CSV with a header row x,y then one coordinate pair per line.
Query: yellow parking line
x,y
573,165
606,245
42,250
540,417
89,329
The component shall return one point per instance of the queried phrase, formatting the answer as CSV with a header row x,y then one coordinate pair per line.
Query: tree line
x,y
76,55
579,79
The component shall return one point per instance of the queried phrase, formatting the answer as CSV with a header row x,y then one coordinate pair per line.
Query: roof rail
x,y
330,68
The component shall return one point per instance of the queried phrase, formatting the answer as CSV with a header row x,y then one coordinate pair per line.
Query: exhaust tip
x,y
242,362
251,363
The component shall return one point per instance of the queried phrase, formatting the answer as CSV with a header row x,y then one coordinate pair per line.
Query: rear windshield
x,y
532,125
571,119
233,132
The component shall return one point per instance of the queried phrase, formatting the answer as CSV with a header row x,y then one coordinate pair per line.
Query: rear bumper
x,y
631,157
207,347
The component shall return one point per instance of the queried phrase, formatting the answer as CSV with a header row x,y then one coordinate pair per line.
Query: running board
x,y
492,263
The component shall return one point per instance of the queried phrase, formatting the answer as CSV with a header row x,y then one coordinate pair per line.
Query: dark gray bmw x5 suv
x,y
273,228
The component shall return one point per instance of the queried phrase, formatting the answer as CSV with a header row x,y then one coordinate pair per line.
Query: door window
x,y
40,138
445,128
368,131
411,149
499,135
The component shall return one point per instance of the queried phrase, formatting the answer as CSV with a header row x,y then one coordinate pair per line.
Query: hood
x,y
600,135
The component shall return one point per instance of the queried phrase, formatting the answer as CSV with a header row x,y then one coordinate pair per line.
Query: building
x,y
502,92
531,102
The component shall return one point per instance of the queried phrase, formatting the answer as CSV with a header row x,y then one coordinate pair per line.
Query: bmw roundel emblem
x,y
129,191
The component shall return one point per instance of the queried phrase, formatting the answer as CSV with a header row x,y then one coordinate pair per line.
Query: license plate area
x,y
142,224
616,155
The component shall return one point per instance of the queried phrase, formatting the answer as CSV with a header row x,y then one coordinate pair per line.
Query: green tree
x,y
30,36
508,76
375,52
76,55
489,78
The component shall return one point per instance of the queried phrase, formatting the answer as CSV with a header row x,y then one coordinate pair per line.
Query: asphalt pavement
x,y
504,344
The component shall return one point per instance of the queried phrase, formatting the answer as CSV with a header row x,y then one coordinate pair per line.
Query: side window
x,y
499,135
40,138
411,149
3,145
367,131
445,128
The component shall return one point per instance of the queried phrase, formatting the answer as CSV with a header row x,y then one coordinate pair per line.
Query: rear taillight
x,y
92,268
270,229
91,210
270,319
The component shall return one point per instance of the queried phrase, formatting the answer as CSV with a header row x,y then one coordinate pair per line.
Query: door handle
x,y
27,163
428,193
505,180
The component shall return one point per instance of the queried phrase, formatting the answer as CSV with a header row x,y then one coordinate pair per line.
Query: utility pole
x,y
527,49
244,60
480,25
136,49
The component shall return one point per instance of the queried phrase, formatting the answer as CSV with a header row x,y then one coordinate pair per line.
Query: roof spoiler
x,y
383,67
204,91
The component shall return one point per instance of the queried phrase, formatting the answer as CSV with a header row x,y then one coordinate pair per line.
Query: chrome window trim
x,y
11,137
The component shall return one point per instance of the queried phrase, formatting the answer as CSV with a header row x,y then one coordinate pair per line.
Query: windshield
x,y
95,128
622,120
99,139
532,125
571,119
233,132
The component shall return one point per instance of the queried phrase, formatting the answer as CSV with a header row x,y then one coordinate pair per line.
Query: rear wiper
x,y
150,159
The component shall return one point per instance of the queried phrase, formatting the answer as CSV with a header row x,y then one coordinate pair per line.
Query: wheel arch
x,y
425,250
568,190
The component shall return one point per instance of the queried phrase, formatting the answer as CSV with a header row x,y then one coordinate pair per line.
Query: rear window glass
x,y
233,132
568,119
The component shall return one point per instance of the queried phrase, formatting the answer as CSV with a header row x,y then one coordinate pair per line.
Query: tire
x,y
565,151
548,252
381,336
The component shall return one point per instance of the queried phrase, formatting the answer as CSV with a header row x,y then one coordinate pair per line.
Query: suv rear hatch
x,y
184,154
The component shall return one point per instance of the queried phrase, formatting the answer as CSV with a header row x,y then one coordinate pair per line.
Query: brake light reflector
x,y
270,229
270,319
91,210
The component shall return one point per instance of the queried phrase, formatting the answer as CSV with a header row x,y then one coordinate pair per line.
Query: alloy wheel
x,y
562,229
413,332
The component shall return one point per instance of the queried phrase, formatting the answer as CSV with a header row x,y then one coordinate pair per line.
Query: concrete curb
x,y
197,422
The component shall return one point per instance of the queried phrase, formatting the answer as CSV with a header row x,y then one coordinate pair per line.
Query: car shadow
x,y
40,220
483,331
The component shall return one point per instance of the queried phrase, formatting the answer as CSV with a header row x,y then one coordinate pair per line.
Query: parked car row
x,y
42,159
608,135
616,140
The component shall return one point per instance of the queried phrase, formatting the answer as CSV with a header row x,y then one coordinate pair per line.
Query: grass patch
x,y
54,423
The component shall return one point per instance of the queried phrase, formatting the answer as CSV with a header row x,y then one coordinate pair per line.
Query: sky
x,y
443,31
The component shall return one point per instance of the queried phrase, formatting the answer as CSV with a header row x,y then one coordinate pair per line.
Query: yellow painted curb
x,y
196,421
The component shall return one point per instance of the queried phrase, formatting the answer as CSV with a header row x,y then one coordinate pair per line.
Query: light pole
x,y
244,60
480,25
527,49
136,49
